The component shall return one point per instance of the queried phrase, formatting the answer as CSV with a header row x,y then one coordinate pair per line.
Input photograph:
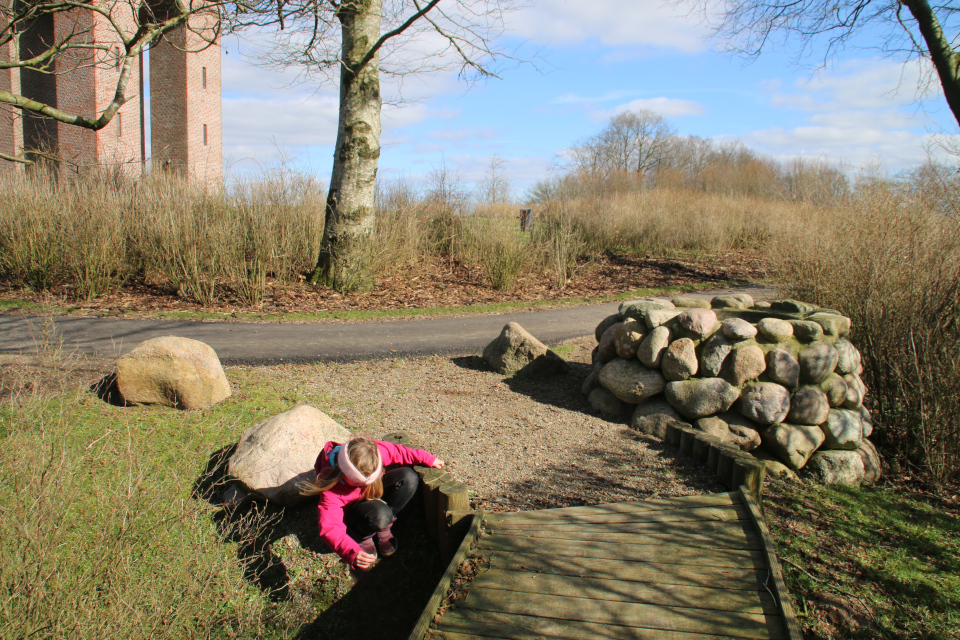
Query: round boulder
x,y
765,402
743,363
651,349
872,465
792,444
276,455
836,389
607,404
699,322
712,354
605,324
737,329
848,358
515,349
689,302
735,433
836,467
701,397
856,390
806,331
808,405
627,338
607,349
631,381
817,362
172,371
843,430
783,368
680,360
651,417
775,330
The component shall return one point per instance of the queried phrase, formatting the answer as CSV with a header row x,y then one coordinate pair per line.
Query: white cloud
x,y
666,107
573,98
647,23
462,135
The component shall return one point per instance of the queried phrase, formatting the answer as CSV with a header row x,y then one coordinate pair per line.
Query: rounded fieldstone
x,y
636,308
699,398
866,420
762,304
808,405
792,306
627,338
743,363
792,444
745,298
591,383
774,468
651,349
607,404
699,322
515,349
608,343
872,465
765,402
817,362
631,381
783,368
806,330
856,390
679,360
712,354
836,389
835,326
605,324
728,302
836,467
737,434
848,358
775,330
843,430
737,329
656,317
651,417
689,302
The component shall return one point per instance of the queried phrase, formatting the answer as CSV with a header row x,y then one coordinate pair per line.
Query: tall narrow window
x,y
204,135
204,77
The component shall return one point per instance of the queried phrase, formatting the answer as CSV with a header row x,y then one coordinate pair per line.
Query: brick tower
x,y
186,132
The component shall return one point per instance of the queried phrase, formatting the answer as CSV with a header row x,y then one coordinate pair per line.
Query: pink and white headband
x,y
352,474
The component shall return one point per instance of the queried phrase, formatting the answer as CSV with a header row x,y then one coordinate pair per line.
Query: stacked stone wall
x,y
777,379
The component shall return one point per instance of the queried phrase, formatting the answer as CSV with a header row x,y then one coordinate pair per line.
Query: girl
x,y
358,502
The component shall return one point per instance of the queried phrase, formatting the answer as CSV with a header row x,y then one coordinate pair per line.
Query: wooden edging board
x,y
779,586
420,630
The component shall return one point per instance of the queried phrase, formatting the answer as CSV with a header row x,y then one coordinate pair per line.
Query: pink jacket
x,y
334,501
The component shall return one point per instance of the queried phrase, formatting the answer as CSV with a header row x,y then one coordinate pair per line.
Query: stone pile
x,y
777,379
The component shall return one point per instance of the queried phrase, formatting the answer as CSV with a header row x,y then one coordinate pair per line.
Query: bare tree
x,y
29,44
632,142
344,40
909,29
494,188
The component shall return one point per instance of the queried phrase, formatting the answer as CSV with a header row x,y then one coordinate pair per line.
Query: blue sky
x,y
596,58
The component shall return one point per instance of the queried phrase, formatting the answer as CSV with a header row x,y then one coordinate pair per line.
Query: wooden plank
x,y
426,617
672,554
663,504
620,590
469,623
720,539
775,574
737,512
745,579
680,530
628,614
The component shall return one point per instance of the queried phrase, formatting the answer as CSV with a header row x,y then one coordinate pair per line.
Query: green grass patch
x,y
865,563
18,305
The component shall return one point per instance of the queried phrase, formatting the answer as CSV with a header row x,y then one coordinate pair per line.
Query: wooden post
x,y
451,496
526,217
687,439
701,448
749,472
432,480
673,433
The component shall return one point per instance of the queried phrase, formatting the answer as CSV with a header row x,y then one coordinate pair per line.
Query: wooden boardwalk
x,y
694,568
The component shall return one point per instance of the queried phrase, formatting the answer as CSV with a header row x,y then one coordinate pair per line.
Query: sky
x,y
590,60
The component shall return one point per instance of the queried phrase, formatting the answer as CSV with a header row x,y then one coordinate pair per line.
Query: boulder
x,y
698,322
650,352
783,368
656,317
735,434
774,468
275,455
775,330
607,349
627,337
806,330
607,404
808,405
728,302
765,402
866,420
637,308
605,324
515,349
699,398
835,326
653,416
843,430
872,464
743,364
792,444
172,371
680,360
817,362
737,329
591,383
631,381
745,298
836,389
762,304
792,306
848,358
712,354
836,467
689,302
856,390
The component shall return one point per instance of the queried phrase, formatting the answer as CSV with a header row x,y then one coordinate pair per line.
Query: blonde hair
x,y
365,457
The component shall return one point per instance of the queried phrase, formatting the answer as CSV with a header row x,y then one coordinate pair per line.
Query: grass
x,y
871,562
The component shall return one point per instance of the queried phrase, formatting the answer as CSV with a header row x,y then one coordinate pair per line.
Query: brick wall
x,y
11,129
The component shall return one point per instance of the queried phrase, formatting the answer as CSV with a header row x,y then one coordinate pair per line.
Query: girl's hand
x,y
438,464
365,560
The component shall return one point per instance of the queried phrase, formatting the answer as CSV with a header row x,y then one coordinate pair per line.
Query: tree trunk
x,y
945,59
344,261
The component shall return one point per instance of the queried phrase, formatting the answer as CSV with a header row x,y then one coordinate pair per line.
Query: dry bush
x,y
498,246
893,265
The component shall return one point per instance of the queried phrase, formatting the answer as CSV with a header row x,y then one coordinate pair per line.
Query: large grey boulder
x,y
607,348
792,444
765,402
605,324
743,364
872,465
627,337
783,368
698,322
515,349
630,381
737,329
657,317
843,430
775,329
690,302
817,362
701,397
651,349
806,331
836,389
856,390
172,371
604,402
731,429
848,358
774,468
637,308
275,455
680,360
835,326
808,405
652,417
836,467
712,354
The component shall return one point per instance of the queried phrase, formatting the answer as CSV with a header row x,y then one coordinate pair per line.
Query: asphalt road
x,y
241,343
